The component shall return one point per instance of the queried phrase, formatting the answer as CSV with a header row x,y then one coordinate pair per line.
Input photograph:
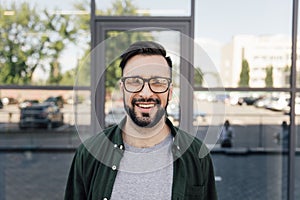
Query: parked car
x,y
114,116
27,102
263,103
247,100
44,115
58,101
278,103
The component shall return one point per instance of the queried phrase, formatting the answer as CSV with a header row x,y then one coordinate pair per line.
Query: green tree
x,y
29,40
62,32
22,45
67,78
244,75
269,76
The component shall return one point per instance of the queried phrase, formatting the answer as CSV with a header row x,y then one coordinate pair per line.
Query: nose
x,y
146,91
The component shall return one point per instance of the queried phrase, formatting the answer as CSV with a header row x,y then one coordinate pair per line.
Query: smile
x,y
145,105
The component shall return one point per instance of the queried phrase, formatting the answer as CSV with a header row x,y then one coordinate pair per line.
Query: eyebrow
x,y
137,76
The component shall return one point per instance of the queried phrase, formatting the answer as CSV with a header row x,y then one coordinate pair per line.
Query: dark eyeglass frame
x,y
123,79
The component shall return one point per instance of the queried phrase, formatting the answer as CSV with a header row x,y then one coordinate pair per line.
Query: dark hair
x,y
144,48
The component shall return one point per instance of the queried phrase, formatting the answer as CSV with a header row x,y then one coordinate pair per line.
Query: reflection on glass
x,y
143,8
43,42
259,119
253,136
255,61
55,111
297,143
247,54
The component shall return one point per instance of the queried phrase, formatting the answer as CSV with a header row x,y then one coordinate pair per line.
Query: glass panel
x,y
143,8
27,113
255,137
247,53
115,46
43,42
297,120
256,117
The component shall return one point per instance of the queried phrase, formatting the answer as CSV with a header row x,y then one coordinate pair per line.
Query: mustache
x,y
139,100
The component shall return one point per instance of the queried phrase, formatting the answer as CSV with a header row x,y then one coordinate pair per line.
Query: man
x,y
145,156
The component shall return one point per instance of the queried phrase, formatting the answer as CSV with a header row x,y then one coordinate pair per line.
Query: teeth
x,y
145,105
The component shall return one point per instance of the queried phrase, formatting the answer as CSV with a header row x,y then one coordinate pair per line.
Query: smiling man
x,y
145,156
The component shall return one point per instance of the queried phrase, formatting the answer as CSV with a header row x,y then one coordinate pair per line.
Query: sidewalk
x,y
41,175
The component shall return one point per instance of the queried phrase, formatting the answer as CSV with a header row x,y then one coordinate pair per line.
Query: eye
x,y
159,81
134,81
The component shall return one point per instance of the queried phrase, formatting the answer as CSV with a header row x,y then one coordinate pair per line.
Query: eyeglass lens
x,y
157,84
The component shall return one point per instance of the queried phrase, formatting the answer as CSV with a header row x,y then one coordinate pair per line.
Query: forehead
x,y
147,66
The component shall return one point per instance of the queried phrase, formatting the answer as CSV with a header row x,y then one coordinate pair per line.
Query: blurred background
x,y
48,84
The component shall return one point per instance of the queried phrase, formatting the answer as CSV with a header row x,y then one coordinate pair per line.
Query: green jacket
x,y
95,166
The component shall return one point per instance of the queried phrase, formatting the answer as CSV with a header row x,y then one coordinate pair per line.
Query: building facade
x,y
261,52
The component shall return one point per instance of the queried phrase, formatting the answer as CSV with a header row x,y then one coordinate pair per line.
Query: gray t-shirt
x,y
145,173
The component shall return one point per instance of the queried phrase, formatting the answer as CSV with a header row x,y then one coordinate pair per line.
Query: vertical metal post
x,y
98,90
93,68
92,25
186,87
187,75
292,135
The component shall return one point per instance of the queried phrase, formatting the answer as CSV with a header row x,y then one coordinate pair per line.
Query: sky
x,y
220,20
216,21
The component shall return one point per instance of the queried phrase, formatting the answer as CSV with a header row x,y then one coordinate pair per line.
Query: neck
x,y
145,137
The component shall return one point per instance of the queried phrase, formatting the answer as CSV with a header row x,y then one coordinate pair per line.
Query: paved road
x,y
258,177
42,176
34,176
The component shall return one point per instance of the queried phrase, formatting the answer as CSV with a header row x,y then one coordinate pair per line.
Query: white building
x,y
260,52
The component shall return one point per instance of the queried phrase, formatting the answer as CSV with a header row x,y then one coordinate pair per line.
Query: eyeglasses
x,y
136,84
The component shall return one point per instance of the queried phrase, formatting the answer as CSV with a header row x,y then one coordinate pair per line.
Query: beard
x,y
145,120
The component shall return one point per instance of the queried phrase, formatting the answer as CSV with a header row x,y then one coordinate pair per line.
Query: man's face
x,y
146,108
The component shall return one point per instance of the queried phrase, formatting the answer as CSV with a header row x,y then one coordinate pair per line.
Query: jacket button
x,y
178,147
105,199
121,147
115,145
114,167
